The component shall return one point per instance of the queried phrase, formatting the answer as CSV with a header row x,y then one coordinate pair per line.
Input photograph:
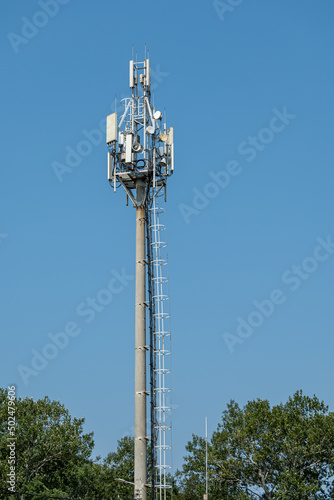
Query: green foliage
x,y
285,452
191,479
121,465
282,452
53,455
50,445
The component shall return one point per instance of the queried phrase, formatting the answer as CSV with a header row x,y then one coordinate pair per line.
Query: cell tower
x,y
140,159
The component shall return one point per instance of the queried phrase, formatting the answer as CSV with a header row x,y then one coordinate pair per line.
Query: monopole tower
x,y
140,160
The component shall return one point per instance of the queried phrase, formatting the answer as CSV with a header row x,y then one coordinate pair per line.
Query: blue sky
x,y
248,87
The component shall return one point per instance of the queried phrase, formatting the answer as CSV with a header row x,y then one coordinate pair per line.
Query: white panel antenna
x,y
148,72
128,148
132,75
111,128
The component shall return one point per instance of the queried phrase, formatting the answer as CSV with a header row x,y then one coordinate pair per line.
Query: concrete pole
x,y
140,466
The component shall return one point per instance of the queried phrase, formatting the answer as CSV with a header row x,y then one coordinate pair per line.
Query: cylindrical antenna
x,y
131,75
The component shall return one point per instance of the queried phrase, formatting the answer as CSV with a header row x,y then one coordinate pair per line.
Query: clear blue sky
x,y
249,91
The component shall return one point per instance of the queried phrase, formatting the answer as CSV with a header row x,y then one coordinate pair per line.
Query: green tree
x,y
52,452
120,463
191,479
282,452
53,455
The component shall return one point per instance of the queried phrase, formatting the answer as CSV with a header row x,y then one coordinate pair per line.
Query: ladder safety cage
x,y
160,338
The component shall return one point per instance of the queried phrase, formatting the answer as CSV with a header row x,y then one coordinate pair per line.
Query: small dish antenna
x,y
150,130
163,137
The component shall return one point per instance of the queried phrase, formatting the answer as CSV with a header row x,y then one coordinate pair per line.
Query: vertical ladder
x,y
160,343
